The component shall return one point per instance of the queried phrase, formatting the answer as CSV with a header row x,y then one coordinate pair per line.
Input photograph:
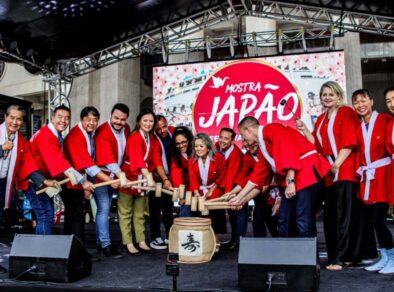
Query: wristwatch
x,y
290,180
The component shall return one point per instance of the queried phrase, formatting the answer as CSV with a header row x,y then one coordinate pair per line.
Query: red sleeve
x,y
350,122
232,169
106,151
176,173
52,154
221,181
135,150
194,177
284,152
246,168
314,133
76,150
390,137
262,172
27,164
157,152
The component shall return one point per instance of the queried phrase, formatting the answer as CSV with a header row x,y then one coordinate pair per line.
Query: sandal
x,y
338,266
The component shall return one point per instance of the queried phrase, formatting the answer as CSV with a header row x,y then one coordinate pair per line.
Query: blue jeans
x,y
103,198
242,221
42,206
184,211
301,208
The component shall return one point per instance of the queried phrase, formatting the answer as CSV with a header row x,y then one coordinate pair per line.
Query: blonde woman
x,y
206,169
335,138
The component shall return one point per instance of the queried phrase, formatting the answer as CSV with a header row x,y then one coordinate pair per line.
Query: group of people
x,y
347,158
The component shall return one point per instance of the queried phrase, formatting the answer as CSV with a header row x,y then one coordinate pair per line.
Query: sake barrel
x,y
193,239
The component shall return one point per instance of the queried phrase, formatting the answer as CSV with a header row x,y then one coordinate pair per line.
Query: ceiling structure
x,y
71,38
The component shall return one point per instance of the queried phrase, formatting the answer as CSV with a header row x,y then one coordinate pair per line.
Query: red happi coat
x,y
47,152
233,157
140,154
344,124
77,150
285,148
390,149
247,166
20,167
179,172
215,175
375,160
108,148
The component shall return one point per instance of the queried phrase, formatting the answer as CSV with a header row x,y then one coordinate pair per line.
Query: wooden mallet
x,y
122,180
188,198
180,193
51,191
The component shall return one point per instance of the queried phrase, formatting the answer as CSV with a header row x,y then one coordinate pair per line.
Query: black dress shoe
x,y
227,244
233,246
111,252
94,258
3,270
137,253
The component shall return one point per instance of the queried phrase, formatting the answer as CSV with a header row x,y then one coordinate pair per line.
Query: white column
x,y
350,43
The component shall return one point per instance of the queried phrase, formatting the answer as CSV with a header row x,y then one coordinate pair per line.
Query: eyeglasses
x,y
182,143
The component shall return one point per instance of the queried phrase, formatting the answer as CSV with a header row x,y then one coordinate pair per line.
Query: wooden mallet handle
x,y
62,182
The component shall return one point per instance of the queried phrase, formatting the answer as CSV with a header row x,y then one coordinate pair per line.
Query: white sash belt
x,y
369,171
308,154
205,189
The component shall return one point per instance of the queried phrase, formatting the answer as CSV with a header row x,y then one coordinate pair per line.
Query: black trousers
x,y
343,223
218,218
375,215
262,219
160,210
74,217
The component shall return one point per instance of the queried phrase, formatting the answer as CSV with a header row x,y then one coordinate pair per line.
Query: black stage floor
x,y
147,273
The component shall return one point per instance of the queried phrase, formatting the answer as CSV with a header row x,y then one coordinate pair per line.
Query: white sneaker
x,y
158,243
166,241
381,263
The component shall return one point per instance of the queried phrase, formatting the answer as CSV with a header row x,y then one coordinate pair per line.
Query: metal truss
x,y
58,91
171,38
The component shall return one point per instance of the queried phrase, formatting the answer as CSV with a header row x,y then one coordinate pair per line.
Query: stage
x,y
147,273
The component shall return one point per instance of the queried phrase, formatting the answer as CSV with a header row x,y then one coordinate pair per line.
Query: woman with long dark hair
x,y
141,153
375,162
181,147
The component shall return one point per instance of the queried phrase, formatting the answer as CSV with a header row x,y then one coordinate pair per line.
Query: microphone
x,y
11,138
284,102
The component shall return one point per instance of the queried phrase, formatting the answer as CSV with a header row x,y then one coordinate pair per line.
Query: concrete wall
x,y
103,88
350,42
18,82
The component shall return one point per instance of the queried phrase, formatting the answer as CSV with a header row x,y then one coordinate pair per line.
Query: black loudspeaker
x,y
278,264
54,258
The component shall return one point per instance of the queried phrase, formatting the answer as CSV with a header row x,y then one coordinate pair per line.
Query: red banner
x,y
247,88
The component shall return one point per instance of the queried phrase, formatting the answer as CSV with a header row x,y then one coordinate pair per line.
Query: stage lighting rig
x,y
69,8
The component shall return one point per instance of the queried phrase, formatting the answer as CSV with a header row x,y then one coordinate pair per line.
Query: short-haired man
x,y
161,209
110,142
46,147
16,163
298,166
79,148
233,156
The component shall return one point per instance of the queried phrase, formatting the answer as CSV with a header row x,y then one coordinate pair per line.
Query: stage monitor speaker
x,y
54,258
278,264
